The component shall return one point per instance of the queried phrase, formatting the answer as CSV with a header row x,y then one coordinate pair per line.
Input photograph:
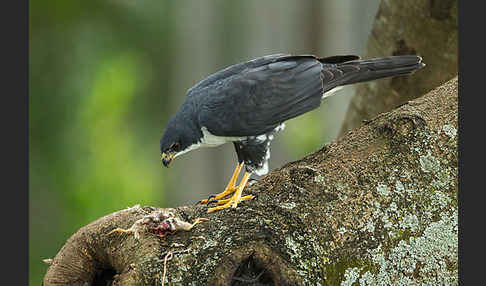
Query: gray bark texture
x,y
425,28
376,207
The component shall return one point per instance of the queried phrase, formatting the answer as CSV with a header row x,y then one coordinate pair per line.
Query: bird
x,y
247,104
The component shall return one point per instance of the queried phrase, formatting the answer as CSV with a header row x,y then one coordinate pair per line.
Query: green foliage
x,y
88,146
101,82
111,166
304,134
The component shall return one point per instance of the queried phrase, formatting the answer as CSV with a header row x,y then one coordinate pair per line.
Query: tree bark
x,y
378,207
426,28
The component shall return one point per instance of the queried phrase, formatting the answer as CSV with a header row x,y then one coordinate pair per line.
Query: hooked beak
x,y
167,159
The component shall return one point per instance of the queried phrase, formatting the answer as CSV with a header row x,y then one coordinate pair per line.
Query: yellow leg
x,y
236,198
230,188
245,198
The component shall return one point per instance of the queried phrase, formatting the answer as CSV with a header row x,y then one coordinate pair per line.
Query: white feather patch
x,y
331,92
263,170
209,140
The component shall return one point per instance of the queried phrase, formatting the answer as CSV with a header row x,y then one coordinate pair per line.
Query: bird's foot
x,y
215,198
225,201
230,188
235,199
231,202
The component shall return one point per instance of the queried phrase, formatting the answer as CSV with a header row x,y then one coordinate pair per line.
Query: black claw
x,y
212,201
209,200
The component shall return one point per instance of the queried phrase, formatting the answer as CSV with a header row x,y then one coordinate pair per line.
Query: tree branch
x,y
377,206
425,28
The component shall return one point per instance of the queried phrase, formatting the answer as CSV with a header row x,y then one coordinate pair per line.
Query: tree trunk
x,y
426,28
378,207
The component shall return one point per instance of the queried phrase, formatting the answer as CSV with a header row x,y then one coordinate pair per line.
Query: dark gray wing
x,y
233,70
254,99
343,70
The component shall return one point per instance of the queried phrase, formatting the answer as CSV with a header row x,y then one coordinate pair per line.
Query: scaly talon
x,y
245,198
236,198
207,201
230,188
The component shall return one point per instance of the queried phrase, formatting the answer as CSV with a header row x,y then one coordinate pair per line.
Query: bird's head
x,y
177,139
168,151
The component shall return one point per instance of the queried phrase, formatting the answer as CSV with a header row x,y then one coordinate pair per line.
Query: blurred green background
x,y
105,76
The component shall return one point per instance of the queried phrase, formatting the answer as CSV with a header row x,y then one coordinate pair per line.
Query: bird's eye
x,y
175,147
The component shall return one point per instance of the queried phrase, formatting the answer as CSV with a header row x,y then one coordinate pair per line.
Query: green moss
x,y
345,270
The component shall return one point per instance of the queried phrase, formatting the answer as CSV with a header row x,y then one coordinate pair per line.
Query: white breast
x,y
209,140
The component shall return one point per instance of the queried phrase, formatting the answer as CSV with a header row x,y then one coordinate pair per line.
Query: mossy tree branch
x,y
378,205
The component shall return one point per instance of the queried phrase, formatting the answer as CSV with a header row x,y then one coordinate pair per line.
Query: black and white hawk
x,y
247,104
